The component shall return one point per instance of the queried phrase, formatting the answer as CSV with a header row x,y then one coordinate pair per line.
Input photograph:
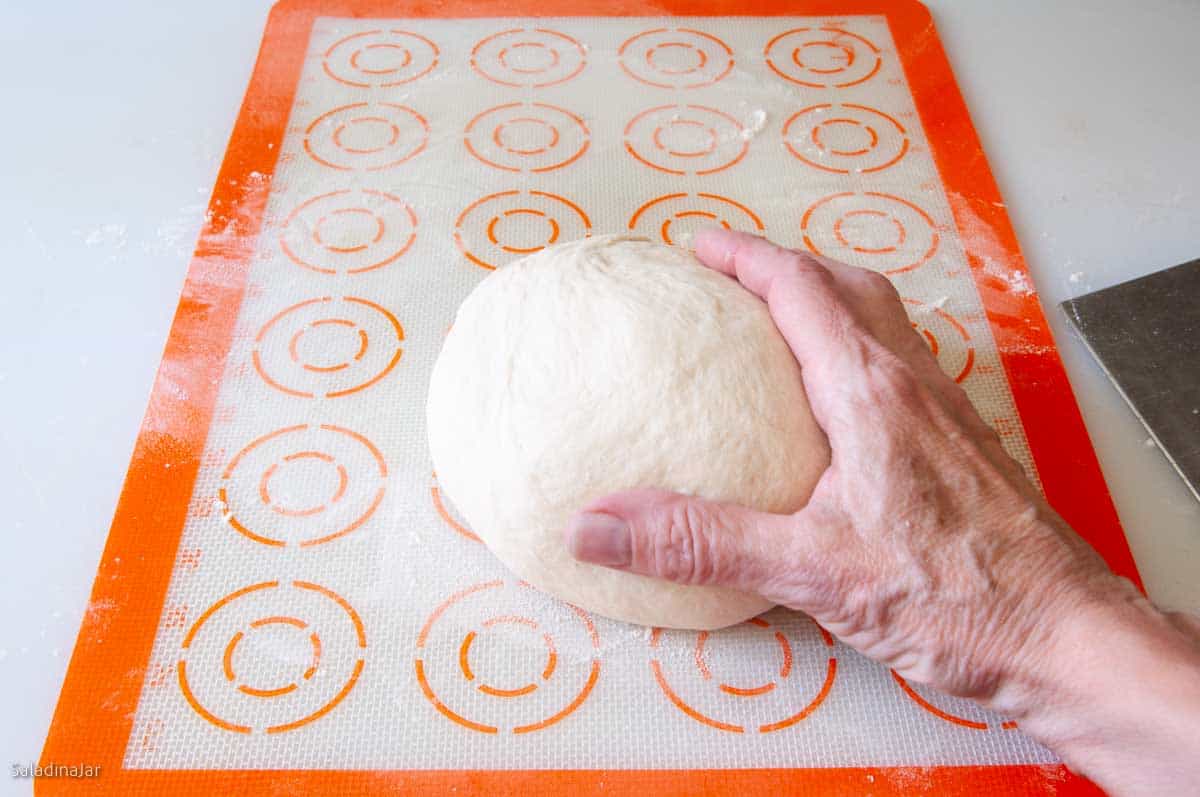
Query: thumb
x,y
680,538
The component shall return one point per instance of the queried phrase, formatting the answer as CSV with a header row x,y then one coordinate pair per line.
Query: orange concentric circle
x,y
271,657
527,136
686,139
879,231
496,229
448,513
348,232
759,676
947,338
366,136
676,58
380,58
302,485
955,710
822,58
535,57
501,657
845,138
329,346
675,218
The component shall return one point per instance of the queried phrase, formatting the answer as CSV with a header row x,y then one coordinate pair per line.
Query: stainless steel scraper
x,y
1146,335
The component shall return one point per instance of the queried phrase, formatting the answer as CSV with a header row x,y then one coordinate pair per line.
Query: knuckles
x,y
682,549
881,288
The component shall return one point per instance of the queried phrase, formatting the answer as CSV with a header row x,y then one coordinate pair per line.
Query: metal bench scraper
x,y
1145,333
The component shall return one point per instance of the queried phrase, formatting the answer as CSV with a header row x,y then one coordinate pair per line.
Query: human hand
x,y
923,546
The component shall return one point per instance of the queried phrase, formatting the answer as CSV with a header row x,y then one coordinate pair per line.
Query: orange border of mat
x,y
116,639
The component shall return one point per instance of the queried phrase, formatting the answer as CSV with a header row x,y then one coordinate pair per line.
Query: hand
x,y
923,546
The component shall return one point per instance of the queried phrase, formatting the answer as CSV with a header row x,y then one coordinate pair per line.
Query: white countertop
x,y
117,117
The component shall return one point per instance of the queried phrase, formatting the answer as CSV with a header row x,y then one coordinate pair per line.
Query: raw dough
x,y
606,364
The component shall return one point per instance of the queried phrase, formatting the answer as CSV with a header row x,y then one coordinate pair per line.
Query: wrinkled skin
x,y
924,545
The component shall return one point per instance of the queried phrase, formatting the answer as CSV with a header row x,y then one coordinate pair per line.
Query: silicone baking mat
x,y
287,603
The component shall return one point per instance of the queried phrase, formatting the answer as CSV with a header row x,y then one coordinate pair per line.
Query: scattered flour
x,y
177,234
755,124
107,235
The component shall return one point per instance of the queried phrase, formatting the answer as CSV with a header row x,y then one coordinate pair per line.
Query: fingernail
x,y
600,539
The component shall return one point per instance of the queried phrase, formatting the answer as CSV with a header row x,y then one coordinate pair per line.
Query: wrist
x,y
1112,685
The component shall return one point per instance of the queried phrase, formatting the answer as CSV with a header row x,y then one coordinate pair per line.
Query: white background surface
x,y
116,118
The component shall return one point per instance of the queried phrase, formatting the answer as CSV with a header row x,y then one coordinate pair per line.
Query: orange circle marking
x,y
393,131
895,204
230,648
710,120
364,341
333,253
873,137
279,620
405,60
523,250
701,58
702,637
227,659
785,669
554,58
551,657
264,484
349,71
379,230
717,208
315,641
498,136
710,145
870,250
531,158
436,494
850,160
665,230
351,112
837,45
748,692
639,58
567,57
944,715
464,663
593,674
841,52
264,495
464,653
293,344
556,222
932,340
518,692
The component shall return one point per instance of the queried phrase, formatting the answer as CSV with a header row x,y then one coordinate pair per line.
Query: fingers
x,y
683,539
807,293
801,293
834,317
753,261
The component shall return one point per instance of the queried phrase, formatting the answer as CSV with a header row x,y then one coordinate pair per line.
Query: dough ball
x,y
607,364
